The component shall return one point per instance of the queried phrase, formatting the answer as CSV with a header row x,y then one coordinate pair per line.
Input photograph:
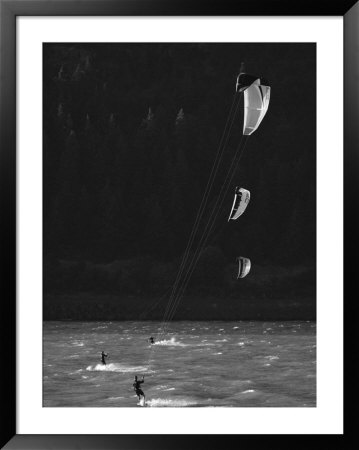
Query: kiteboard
x,y
142,402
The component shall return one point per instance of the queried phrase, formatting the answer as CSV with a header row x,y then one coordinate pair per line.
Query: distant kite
x,y
244,266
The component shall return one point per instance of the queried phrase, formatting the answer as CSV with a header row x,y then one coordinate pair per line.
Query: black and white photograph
x,y
179,225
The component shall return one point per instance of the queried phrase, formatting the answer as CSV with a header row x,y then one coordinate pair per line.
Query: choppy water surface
x,y
231,364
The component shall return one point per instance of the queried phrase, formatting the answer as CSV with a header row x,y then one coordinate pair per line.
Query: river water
x,y
192,364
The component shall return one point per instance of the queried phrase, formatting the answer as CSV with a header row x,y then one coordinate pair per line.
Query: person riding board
x,y
103,356
137,387
151,339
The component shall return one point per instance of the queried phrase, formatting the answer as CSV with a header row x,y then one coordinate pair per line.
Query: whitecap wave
x,y
170,342
248,391
114,367
166,402
76,371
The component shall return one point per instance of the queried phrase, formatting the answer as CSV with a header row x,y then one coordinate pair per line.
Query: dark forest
x,y
130,132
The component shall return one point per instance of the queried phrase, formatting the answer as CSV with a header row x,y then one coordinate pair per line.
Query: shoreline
x,y
112,307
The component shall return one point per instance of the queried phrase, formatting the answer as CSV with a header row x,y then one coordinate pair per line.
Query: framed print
x,y
173,181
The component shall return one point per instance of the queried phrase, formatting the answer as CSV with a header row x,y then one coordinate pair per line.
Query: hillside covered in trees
x,y
130,135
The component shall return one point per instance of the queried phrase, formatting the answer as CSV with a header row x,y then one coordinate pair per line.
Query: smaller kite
x,y
240,202
244,266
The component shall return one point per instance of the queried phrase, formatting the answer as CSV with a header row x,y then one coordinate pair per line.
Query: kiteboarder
x,y
103,356
137,388
152,341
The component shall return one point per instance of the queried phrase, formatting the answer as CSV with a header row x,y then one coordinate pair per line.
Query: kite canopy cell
x,y
240,202
244,266
256,100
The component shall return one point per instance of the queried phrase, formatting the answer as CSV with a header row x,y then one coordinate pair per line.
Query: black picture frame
x,y
9,10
